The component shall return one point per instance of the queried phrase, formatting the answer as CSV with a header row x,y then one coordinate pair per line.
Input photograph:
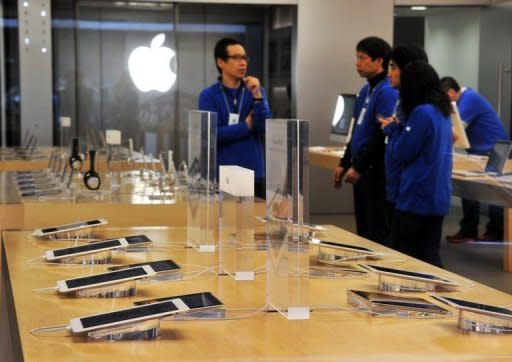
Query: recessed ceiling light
x,y
418,8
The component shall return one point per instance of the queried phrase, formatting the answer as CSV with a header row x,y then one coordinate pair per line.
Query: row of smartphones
x,y
146,310
162,307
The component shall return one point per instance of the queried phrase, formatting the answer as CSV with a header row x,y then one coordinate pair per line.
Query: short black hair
x,y
375,47
450,83
420,85
221,49
402,55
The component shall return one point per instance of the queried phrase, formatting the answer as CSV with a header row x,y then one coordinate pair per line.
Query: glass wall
x,y
99,77
11,91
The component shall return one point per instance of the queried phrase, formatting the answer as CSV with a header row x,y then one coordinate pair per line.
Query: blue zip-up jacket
x,y
484,126
366,148
393,166
423,143
236,144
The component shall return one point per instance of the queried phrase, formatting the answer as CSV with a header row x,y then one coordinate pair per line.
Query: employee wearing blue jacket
x,y
241,106
363,161
398,59
423,144
483,129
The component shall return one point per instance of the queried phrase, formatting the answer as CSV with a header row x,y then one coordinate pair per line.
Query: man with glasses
x,y
241,106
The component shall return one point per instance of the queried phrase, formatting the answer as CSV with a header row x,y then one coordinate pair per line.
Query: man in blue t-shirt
x,y
483,128
363,161
242,108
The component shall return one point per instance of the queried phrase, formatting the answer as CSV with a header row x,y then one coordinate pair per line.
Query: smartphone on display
x,y
68,227
158,266
336,245
383,301
98,280
408,274
127,316
474,307
98,246
193,301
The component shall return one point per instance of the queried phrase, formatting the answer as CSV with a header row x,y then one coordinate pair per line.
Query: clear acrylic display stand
x,y
202,180
103,257
117,290
236,231
65,131
472,321
114,158
287,210
405,309
149,329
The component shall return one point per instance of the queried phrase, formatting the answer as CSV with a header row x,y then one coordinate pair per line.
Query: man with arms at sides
x,y
242,108
483,129
400,56
423,144
363,161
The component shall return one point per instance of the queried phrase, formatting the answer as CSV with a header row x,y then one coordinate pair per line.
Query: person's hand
x,y
254,86
384,121
337,177
249,121
352,176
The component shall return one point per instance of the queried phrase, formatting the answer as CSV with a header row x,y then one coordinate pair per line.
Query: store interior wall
x,y
496,48
452,44
469,44
328,32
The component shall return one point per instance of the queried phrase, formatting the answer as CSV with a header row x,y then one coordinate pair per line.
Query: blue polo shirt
x,y
484,127
236,143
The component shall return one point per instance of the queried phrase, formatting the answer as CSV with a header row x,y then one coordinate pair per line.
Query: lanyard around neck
x,y
236,103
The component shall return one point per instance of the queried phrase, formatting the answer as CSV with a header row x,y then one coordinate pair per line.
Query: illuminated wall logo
x,y
149,67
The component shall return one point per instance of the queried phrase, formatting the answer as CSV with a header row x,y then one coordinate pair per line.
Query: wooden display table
x,y
329,335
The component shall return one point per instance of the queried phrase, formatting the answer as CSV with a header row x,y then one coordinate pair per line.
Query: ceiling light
x,y
418,8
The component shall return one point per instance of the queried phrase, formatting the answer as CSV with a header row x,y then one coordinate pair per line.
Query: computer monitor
x,y
459,128
343,118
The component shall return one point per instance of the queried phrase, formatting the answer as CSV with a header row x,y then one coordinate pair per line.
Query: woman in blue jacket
x,y
423,145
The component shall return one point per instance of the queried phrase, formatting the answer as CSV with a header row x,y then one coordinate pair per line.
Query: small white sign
x,y
113,137
236,180
65,122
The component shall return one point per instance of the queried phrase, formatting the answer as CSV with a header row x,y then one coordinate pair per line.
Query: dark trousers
x,y
370,206
417,235
471,219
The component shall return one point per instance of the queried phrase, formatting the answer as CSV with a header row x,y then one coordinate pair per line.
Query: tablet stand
x,y
123,289
335,272
377,309
213,313
334,256
102,257
469,321
145,330
399,284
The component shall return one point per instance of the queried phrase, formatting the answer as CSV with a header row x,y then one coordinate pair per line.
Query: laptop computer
x,y
495,162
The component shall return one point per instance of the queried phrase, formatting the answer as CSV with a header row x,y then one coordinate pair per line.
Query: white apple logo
x,y
150,69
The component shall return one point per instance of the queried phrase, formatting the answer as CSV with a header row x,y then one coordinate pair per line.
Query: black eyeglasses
x,y
238,57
